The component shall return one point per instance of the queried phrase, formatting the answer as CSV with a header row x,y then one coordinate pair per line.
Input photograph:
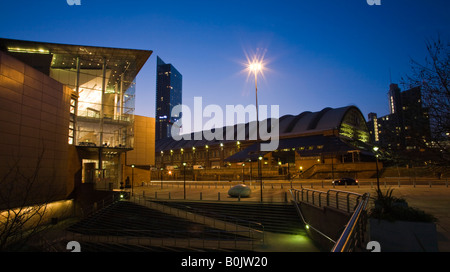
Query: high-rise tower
x,y
168,95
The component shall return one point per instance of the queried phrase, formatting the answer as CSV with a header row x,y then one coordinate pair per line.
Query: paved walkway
x,y
434,199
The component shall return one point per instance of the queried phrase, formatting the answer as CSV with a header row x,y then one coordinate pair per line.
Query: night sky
x,y
318,53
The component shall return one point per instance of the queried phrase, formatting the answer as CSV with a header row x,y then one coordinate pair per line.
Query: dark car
x,y
345,181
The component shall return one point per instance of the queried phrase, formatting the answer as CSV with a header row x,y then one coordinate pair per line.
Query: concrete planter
x,y
403,236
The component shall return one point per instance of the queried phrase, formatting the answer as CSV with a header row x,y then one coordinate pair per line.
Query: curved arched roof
x,y
307,122
289,125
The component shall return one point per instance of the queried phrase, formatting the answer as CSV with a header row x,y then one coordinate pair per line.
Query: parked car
x,y
345,181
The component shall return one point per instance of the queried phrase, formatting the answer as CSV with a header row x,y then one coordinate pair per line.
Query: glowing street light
x,y
184,179
375,148
256,66
132,178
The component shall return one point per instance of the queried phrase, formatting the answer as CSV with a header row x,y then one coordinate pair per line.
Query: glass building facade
x,y
102,103
168,95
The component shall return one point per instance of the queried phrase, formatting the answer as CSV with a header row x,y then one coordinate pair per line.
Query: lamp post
x,y
375,148
162,171
251,171
259,176
184,182
243,179
132,178
256,66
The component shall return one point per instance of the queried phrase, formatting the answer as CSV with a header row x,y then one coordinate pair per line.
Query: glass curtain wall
x,y
102,112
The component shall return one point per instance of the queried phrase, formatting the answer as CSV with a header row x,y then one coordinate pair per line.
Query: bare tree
x,y
24,199
433,78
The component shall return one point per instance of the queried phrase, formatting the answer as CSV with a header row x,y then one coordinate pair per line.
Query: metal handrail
x,y
305,194
251,226
203,238
353,227
304,220
256,226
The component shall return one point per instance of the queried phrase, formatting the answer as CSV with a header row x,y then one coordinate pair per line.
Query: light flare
x,y
255,63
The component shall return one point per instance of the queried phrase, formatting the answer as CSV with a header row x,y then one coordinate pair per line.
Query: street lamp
x,y
162,171
259,175
375,148
255,67
132,178
184,183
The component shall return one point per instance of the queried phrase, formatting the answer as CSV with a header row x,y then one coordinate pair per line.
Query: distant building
x,y
324,144
407,127
168,95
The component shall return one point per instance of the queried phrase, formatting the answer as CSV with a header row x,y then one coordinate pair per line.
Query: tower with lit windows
x,y
168,95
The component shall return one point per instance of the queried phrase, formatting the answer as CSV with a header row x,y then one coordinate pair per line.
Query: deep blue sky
x,y
321,53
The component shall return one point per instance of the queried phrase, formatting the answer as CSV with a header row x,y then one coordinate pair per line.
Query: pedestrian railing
x,y
349,202
342,200
163,239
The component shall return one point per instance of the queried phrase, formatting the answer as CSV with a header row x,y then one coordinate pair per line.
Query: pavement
x,y
432,197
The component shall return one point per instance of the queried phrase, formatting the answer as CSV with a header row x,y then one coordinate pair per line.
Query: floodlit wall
x,y
144,142
34,122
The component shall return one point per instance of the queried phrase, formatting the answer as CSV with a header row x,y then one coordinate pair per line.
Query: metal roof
x,y
305,123
64,56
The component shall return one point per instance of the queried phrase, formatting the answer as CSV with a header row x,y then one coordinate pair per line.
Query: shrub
x,y
391,208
